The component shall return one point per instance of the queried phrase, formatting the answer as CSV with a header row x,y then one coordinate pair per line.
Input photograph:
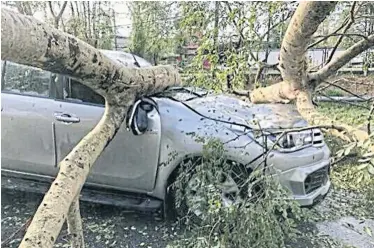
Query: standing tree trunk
x,y
26,41
57,17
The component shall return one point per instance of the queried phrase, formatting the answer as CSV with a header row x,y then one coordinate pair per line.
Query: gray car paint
x,y
143,163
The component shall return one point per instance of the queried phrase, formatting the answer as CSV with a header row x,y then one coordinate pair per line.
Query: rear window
x,y
25,80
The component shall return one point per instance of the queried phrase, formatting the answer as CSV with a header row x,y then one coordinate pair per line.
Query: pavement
x,y
350,231
108,226
105,226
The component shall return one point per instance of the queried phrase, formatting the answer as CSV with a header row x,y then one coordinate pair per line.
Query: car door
x,y
27,122
129,162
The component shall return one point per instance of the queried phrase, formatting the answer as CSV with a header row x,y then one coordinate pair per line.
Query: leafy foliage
x,y
230,37
264,217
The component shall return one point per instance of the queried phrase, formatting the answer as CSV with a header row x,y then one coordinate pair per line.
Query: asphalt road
x,y
105,226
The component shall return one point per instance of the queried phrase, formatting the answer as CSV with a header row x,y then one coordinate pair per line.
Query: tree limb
x,y
342,34
339,61
340,39
58,17
327,36
61,10
51,9
303,25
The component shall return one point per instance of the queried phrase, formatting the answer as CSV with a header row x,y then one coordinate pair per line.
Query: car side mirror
x,y
138,118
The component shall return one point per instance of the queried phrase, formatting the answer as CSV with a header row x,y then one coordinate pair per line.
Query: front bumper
x,y
308,184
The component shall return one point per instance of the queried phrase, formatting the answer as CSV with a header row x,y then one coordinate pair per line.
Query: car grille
x,y
317,137
316,179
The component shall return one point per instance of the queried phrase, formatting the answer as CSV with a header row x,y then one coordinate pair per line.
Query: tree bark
x,y
61,53
26,41
307,110
73,171
75,227
292,64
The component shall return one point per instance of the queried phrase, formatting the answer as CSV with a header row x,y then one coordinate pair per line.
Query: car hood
x,y
269,116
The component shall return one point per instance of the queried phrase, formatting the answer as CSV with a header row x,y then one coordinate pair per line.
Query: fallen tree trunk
x,y
26,41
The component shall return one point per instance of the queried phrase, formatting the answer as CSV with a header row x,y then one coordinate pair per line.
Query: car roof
x,y
126,59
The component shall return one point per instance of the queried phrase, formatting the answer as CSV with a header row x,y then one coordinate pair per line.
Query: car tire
x,y
183,210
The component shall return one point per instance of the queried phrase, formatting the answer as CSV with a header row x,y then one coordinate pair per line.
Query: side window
x,y
26,80
77,92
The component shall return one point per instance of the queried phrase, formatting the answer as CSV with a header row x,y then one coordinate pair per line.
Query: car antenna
x,y
136,62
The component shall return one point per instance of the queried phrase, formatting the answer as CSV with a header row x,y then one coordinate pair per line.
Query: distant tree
x,y
153,29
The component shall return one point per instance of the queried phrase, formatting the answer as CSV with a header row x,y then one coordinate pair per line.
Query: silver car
x,y
44,115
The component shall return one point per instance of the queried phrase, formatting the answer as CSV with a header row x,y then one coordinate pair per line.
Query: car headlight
x,y
293,139
301,139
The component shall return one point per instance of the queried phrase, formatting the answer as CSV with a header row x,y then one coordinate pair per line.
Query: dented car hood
x,y
268,116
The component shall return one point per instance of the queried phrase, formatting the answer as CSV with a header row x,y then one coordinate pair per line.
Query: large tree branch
x,y
26,41
53,211
61,53
339,61
303,25
292,65
75,226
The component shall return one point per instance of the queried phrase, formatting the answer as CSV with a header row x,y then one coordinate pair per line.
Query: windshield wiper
x,y
184,89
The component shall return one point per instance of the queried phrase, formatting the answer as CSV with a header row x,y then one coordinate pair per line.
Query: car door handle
x,y
67,118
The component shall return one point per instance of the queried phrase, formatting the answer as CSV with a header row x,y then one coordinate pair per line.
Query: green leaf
x,y
371,169
362,166
368,231
339,153
364,160
349,148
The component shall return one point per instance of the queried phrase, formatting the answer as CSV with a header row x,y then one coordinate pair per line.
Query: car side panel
x,y
27,142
